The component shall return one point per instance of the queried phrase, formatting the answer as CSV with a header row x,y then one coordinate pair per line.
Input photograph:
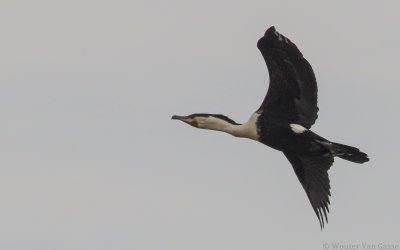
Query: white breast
x,y
248,129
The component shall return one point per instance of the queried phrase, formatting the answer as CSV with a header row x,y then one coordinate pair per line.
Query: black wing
x,y
312,172
292,93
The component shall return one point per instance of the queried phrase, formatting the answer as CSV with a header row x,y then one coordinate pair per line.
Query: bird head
x,y
190,119
205,121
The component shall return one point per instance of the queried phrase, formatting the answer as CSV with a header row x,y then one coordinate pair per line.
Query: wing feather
x,y
292,93
312,172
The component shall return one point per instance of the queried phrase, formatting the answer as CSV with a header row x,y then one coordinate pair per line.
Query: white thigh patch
x,y
298,129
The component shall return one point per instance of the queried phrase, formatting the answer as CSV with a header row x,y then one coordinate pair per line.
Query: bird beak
x,y
180,118
186,119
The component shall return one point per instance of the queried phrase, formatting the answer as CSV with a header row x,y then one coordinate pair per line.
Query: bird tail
x,y
348,153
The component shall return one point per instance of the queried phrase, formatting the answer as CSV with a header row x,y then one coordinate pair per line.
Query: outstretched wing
x,y
292,93
312,172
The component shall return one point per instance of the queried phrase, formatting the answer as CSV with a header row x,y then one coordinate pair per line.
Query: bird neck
x,y
246,130
215,123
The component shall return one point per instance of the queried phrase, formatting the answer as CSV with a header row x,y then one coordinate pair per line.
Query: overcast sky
x,y
91,160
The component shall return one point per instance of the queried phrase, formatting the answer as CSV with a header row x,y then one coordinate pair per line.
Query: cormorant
x,y
284,119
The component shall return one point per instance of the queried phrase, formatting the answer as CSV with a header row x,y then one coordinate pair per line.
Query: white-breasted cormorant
x,y
284,119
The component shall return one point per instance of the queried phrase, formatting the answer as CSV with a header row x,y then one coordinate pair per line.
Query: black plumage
x,y
292,99
292,93
284,118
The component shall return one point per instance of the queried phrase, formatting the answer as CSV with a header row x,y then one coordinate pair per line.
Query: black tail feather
x,y
348,153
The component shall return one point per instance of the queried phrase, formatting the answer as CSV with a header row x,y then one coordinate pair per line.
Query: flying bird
x,y
284,119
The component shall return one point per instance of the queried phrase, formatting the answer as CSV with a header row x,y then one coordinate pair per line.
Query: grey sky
x,y
91,160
